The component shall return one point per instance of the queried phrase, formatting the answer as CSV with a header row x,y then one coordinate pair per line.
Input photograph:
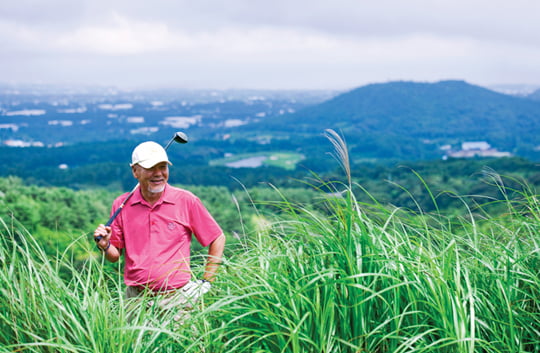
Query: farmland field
x,y
286,160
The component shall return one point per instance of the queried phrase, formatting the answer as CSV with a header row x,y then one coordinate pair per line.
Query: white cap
x,y
148,154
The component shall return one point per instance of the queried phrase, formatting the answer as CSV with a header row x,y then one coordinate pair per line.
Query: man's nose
x,y
158,171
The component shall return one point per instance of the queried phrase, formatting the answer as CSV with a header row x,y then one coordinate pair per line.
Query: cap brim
x,y
150,163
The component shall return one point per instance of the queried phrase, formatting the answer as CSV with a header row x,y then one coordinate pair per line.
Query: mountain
x,y
414,120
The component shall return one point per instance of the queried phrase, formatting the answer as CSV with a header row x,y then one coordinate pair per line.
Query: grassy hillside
x,y
360,277
374,280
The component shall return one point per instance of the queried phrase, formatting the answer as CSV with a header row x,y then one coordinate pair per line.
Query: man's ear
x,y
134,170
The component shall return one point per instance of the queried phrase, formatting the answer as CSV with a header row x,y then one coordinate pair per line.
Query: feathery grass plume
x,y
341,152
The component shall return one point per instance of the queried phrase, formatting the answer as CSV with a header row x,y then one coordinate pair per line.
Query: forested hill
x,y
411,119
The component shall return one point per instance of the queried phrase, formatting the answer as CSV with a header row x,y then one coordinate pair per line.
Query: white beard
x,y
156,190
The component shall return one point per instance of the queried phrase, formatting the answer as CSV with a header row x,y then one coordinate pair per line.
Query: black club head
x,y
180,137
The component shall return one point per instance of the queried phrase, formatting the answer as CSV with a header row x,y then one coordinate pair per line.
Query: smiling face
x,y
152,180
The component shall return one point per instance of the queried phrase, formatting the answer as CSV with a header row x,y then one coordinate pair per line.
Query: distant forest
x,y
106,166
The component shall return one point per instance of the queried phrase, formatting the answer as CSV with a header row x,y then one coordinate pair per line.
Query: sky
x,y
270,44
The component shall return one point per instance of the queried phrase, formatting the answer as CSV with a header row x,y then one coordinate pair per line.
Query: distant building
x,y
147,130
26,112
21,143
181,122
135,119
475,146
234,122
16,143
476,149
445,147
13,127
60,122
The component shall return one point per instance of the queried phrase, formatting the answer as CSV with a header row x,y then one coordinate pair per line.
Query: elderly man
x,y
155,228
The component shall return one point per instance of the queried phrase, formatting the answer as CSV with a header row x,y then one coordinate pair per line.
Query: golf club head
x,y
180,137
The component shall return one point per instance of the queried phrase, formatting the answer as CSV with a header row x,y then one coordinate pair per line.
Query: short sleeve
x,y
203,225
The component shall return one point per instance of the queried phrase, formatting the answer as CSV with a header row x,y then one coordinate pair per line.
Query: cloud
x,y
282,43
122,36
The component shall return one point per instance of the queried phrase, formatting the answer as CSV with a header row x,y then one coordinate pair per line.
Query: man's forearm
x,y
215,255
112,254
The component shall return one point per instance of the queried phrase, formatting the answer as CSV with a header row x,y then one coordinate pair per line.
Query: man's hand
x,y
186,297
194,290
102,236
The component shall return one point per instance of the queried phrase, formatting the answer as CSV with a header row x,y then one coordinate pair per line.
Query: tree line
x,y
452,187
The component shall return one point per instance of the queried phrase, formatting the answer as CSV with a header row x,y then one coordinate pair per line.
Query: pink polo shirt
x,y
157,239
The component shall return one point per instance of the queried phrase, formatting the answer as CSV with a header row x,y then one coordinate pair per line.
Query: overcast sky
x,y
275,44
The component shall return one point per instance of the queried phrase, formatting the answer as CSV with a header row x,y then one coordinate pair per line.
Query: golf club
x,y
178,137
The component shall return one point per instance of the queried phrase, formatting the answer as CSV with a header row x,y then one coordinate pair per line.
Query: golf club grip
x,y
109,222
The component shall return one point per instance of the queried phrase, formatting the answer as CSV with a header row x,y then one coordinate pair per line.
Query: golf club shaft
x,y
109,222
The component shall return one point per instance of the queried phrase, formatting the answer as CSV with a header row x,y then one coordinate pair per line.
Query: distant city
x,y
41,116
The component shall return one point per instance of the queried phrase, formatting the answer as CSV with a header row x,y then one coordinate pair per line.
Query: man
x,y
154,231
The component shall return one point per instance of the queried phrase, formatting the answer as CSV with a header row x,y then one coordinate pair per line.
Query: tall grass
x,y
49,305
358,278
